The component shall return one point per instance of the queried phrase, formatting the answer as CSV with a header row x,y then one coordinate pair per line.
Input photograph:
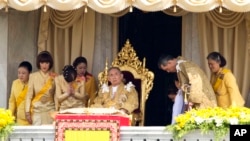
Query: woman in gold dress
x,y
223,82
41,89
69,92
80,64
18,93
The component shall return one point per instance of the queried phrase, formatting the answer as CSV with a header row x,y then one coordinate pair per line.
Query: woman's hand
x,y
28,117
71,90
188,106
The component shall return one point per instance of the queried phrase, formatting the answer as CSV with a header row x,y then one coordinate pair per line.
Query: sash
x,y
80,78
219,79
44,89
21,96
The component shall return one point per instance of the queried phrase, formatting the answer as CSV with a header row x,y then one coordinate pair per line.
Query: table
x,y
88,127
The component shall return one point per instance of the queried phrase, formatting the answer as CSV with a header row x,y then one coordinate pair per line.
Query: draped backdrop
x,y
228,33
68,34
114,6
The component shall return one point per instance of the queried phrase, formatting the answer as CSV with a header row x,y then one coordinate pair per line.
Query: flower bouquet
x,y
7,120
217,120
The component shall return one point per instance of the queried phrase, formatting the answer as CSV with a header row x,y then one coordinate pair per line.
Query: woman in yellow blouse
x,y
41,89
223,82
69,92
80,64
18,93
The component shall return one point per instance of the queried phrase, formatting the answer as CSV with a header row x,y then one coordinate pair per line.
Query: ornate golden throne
x,y
135,71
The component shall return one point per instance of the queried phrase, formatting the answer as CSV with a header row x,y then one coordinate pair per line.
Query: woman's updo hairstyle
x,y
69,73
216,56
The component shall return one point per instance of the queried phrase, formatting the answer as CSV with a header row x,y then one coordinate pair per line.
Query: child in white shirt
x,y
178,106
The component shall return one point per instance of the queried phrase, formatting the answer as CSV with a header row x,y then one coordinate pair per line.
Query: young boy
x,y
178,99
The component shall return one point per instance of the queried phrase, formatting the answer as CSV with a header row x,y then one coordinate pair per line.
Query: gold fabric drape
x,y
227,33
114,6
225,19
67,35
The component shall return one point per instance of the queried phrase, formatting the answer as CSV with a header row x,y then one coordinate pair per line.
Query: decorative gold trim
x,y
44,5
131,5
103,76
221,5
127,58
6,5
175,5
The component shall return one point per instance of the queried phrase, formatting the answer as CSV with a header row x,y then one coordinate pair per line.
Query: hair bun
x,y
69,73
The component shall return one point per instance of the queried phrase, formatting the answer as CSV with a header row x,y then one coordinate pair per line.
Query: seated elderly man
x,y
117,95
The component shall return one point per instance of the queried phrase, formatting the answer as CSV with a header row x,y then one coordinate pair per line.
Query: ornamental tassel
x,y
45,8
6,9
131,5
131,9
175,9
186,90
220,10
86,9
221,3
